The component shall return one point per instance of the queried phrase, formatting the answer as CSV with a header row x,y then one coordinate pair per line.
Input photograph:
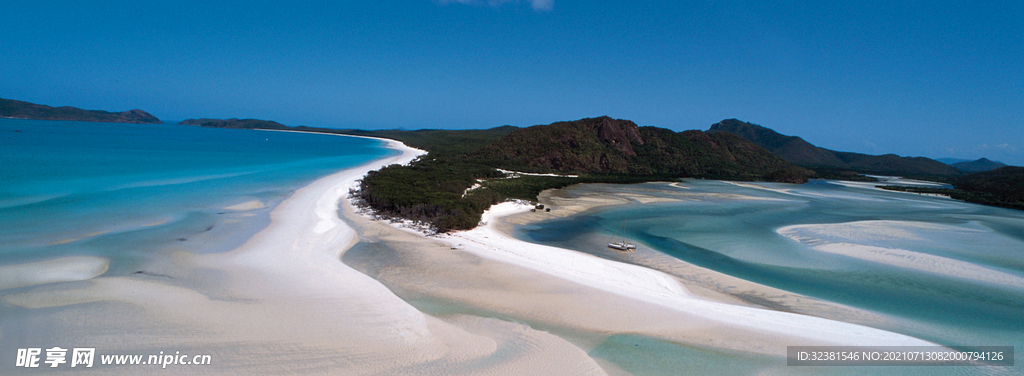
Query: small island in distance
x,y
236,123
10,108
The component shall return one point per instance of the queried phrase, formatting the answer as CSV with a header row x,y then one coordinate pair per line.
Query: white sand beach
x,y
654,287
283,303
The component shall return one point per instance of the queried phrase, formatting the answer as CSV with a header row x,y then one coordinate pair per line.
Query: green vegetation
x,y
429,191
983,164
236,123
608,146
839,174
830,162
449,188
1002,187
437,192
439,142
714,156
24,110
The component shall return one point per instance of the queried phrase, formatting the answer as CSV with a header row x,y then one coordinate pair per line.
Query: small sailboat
x,y
621,244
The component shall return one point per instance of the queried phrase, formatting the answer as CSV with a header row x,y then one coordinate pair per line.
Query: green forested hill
x,y
236,123
451,187
983,164
571,146
610,146
803,153
25,110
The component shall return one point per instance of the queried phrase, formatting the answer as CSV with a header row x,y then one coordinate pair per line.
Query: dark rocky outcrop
x,y
618,134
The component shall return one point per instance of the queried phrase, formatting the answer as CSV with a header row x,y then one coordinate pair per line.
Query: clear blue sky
x,y
931,78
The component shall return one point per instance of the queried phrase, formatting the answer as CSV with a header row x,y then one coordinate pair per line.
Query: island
x,y
10,108
236,123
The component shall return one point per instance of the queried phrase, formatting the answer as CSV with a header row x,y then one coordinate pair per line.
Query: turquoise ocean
x,y
128,192
965,290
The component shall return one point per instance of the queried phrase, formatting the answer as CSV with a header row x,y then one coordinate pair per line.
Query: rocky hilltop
x,y
24,110
803,153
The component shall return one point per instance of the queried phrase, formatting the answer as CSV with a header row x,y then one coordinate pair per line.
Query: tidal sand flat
x,y
855,240
953,284
65,269
658,288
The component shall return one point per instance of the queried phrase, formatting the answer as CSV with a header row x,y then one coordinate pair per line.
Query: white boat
x,y
621,245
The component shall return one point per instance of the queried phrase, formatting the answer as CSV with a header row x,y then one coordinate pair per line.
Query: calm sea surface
x,y
124,191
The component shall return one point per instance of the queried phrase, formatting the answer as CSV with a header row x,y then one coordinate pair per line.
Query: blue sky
x,y
931,78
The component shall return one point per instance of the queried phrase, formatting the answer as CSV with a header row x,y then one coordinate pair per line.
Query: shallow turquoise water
x,y
733,229
123,191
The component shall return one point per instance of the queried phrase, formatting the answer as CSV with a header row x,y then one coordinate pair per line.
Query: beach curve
x,y
656,287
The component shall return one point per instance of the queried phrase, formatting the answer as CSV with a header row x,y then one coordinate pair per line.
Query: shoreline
x,y
738,325
295,296
282,303
658,288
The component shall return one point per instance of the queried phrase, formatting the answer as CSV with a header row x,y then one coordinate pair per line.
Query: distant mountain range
x,y
24,110
803,153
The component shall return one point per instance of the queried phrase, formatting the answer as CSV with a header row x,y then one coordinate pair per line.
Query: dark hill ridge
x,y
790,148
1003,187
1005,184
798,151
588,145
236,123
606,145
983,164
24,110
